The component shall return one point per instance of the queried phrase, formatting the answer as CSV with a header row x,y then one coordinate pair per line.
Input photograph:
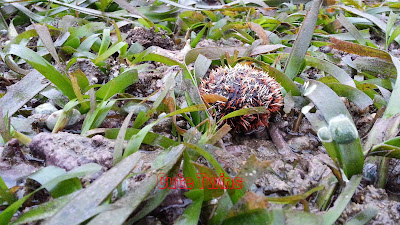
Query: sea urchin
x,y
244,87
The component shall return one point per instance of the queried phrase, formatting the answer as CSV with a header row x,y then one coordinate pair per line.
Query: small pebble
x,y
52,119
45,109
136,107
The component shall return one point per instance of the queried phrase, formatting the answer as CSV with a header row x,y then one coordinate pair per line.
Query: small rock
x,y
12,151
286,179
178,89
370,172
69,151
162,115
302,143
136,107
148,37
52,119
146,84
237,150
393,183
388,213
227,139
12,174
325,49
164,125
24,125
13,165
44,109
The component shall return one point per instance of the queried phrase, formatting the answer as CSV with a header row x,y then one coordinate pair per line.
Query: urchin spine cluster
x,y
244,87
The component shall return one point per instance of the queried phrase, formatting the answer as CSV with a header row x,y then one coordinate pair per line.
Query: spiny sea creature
x,y
244,87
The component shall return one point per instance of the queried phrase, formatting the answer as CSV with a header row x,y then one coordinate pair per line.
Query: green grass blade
x,y
394,35
45,68
5,194
151,138
393,106
124,207
137,139
246,111
113,49
363,217
84,47
161,58
34,16
83,170
293,199
215,53
326,100
105,42
44,35
88,11
355,95
159,194
22,92
352,29
117,84
389,25
95,118
192,213
387,126
390,148
341,202
134,12
341,127
341,75
199,36
303,41
119,142
370,17
44,210
85,203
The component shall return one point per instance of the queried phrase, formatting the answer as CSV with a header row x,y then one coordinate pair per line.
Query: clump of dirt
x,y
147,84
388,210
150,82
172,207
69,151
394,48
125,28
393,183
92,72
284,177
363,118
149,37
7,78
114,66
3,37
230,42
13,163
311,73
174,203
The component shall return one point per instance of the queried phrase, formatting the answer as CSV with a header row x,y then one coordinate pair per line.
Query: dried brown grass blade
x,y
213,98
358,49
260,32
170,102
